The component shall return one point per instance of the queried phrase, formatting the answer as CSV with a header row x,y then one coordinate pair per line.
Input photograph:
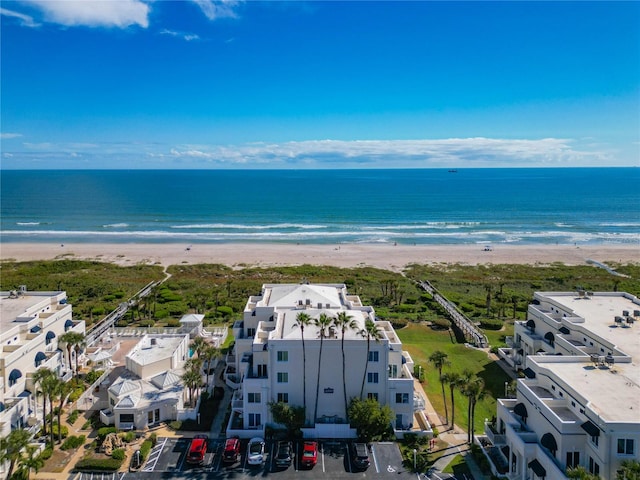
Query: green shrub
x,y
128,437
398,323
97,310
147,323
173,322
145,449
491,323
175,425
161,313
440,323
73,442
46,453
99,464
73,416
104,431
225,311
153,438
64,430
118,454
93,375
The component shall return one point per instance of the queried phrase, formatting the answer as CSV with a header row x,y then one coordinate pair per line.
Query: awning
x,y
549,336
68,324
520,410
548,441
35,329
537,468
565,330
50,335
40,357
15,375
531,324
25,394
529,373
591,429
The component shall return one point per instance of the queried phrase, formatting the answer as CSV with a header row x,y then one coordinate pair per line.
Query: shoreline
x,y
385,256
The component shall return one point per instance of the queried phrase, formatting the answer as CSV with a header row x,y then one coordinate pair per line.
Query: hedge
x,y
145,449
100,464
104,431
73,442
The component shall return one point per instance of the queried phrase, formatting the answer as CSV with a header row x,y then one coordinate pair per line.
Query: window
x,y
372,377
253,397
283,356
251,332
283,397
594,467
595,440
254,420
262,370
372,395
402,398
625,446
393,371
573,459
373,356
283,377
126,418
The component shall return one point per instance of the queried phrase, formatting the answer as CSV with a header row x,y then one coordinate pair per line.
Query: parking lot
x,y
168,459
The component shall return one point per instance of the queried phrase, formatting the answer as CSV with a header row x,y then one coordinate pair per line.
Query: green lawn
x,y
421,341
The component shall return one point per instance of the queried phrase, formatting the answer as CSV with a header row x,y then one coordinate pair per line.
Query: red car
x,y
197,450
231,450
309,455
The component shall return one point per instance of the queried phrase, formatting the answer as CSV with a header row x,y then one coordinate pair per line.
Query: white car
x,y
255,451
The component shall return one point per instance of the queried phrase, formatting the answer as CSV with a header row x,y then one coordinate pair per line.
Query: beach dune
x,y
385,256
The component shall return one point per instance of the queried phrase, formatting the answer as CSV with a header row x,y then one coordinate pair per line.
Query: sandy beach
x,y
386,256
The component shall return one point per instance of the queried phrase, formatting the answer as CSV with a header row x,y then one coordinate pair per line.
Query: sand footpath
x,y
386,256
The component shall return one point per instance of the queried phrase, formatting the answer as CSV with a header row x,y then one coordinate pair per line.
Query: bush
x,y
147,323
153,438
491,323
99,464
118,454
64,430
440,323
161,313
173,322
73,416
93,375
73,442
225,311
46,453
104,431
398,323
175,425
145,449
128,437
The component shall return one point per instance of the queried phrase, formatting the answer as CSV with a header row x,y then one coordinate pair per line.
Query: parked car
x,y
197,450
360,455
284,454
309,454
255,451
231,450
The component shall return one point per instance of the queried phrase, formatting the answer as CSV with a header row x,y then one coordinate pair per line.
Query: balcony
x,y
107,417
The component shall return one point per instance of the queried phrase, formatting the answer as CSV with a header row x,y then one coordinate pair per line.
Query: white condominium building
x,y
270,364
579,400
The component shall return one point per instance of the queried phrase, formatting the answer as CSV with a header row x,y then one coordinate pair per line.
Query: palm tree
x,y
629,470
344,322
453,379
11,448
63,391
78,348
33,460
323,322
303,320
440,360
209,354
473,389
198,345
52,386
370,332
72,339
39,380
192,380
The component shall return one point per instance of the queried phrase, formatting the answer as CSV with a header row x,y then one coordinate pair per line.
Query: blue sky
x,y
203,84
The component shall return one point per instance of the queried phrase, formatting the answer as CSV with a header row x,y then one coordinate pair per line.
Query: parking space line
x,y
154,456
375,460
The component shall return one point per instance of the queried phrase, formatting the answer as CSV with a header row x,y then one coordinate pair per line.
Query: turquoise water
x,y
519,206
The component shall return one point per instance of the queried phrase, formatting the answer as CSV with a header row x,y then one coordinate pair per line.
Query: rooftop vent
x,y
154,341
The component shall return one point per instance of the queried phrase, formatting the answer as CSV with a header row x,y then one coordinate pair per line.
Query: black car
x,y
360,455
284,454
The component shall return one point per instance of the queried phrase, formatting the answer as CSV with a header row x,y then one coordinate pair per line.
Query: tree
x,y
198,345
72,340
370,332
303,320
440,360
63,391
580,473
344,322
453,380
209,354
323,322
192,380
39,380
291,416
52,386
33,460
629,470
370,419
11,448
473,389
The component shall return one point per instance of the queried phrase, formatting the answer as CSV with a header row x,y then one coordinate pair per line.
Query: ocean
x,y
418,206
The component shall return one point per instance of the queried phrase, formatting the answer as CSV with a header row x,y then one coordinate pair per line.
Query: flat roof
x,y
12,308
613,393
599,312
291,332
146,353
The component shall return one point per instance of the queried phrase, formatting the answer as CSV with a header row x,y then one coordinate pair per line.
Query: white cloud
x,y
218,9
189,37
26,20
94,13
7,135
